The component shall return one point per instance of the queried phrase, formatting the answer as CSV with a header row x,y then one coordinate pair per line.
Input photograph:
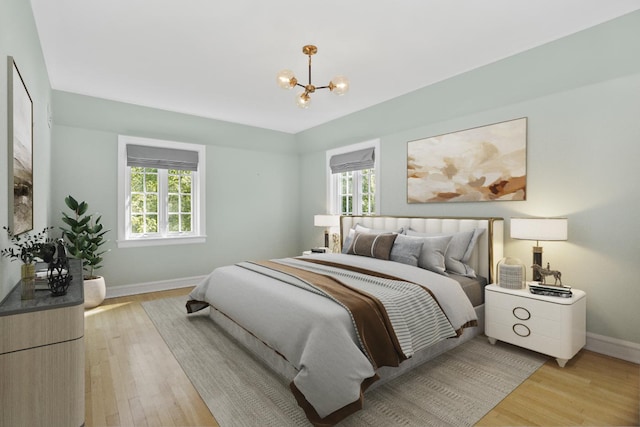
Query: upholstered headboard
x,y
489,247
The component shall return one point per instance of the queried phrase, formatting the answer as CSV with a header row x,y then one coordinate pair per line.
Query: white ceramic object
x,y
94,292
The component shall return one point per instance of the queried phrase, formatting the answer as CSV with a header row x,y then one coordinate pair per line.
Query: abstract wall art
x,y
20,142
486,163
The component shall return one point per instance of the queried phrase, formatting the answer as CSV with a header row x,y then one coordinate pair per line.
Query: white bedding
x,y
312,332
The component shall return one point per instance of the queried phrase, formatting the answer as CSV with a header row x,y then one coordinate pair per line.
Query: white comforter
x,y
312,332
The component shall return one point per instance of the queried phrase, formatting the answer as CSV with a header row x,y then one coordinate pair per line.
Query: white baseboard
x,y
162,285
613,347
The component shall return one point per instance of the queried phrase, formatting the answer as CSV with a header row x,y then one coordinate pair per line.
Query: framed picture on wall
x,y
486,163
20,143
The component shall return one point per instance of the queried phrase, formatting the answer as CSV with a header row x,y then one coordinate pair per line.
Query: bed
x,y
402,291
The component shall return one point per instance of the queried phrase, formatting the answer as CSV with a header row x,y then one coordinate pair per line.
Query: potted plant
x,y
28,248
84,239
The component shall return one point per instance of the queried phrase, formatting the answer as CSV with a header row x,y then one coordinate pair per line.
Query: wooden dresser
x,y
42,357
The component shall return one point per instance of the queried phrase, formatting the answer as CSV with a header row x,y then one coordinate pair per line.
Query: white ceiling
x,y
218,59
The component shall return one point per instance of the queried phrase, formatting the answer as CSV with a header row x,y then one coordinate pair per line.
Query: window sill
x,y
160,241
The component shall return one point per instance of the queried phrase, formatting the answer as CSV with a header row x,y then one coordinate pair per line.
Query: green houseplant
x,y
84,238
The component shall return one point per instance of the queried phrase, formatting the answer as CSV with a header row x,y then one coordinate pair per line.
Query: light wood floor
x,y
132,379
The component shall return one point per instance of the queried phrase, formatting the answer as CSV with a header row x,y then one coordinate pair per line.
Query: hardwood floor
x,y
131,376
132,379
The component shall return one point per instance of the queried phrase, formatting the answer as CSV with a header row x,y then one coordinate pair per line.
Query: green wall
x,y
252,185
581,95
19,39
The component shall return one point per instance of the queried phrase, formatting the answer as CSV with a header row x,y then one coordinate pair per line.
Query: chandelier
x,y
286,80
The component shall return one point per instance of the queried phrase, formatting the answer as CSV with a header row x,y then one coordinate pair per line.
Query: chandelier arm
x,y
323,87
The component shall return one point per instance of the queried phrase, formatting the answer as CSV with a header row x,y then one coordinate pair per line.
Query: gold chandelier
x,y
286,80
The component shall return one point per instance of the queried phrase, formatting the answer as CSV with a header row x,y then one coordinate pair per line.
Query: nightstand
x,y
550,325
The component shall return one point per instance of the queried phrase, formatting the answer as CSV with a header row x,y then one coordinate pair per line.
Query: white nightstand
x,y
550,325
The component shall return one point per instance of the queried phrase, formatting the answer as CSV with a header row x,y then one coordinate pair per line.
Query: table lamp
x,y
539,229
326,221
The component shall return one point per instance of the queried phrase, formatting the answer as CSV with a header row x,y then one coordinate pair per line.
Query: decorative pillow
x,y
432,253
406,250
347,242
362,229
459,249
372,245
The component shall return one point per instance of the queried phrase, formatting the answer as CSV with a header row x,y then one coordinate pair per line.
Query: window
x,y
352,179
160,192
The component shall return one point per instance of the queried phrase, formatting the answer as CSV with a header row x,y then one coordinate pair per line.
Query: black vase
x,y
58,275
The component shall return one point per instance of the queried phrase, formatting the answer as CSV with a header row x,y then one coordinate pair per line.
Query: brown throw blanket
x,y
371,322
376,335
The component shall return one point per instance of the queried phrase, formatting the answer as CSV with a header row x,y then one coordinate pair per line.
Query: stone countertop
x,y
13,304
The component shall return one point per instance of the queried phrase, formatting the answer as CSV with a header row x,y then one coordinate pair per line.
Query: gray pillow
x,y
459,250
406,250
432,253
372,245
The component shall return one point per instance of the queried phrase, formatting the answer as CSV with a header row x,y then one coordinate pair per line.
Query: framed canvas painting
x,y
20,142
487,163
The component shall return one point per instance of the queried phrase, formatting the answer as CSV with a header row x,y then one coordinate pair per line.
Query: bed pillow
x,y
432,253
372,245
459,250
406,250
362,229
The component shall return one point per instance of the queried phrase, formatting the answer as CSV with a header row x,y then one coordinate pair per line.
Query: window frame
x,y
333,201
198,233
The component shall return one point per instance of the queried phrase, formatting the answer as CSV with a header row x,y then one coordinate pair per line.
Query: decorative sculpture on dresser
x,y
543,272
58,274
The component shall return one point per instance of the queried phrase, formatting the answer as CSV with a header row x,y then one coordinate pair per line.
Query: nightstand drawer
x,y
528,317
521,334
522,305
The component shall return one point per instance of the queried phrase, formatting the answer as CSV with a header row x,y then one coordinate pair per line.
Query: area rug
x,y
456,389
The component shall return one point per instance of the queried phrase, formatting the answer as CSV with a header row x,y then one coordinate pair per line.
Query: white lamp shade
x,y
539,228
326,220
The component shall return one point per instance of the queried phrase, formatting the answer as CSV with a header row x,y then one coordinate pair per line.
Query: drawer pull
x,y
521,313
521,330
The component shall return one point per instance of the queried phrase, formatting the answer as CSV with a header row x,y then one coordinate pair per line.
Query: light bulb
x,y
286,79
339,85
303,100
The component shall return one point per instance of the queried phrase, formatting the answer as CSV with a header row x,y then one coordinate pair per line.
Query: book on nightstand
x,y
562,291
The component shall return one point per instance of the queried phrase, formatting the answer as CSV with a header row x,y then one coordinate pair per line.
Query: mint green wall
x,y
581,95
252,185
19,39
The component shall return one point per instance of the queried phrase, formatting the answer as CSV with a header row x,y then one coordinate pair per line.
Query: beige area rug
x,y
455,389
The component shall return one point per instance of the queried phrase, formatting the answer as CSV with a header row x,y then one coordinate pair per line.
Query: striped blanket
x,y
413,317
334,322
392,318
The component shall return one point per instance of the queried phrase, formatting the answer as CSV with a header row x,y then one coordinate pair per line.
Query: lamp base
x,y
537,260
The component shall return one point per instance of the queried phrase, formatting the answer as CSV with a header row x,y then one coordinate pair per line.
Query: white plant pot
x,y
94,292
